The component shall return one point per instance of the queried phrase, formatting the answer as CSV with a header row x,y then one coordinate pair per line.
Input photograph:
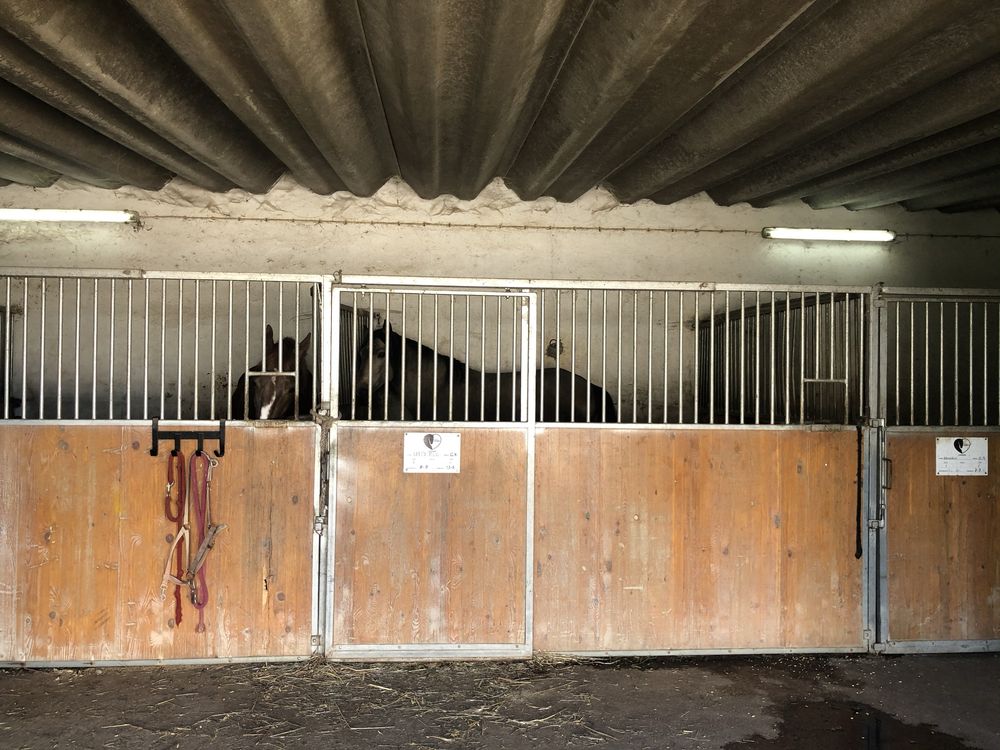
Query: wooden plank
x,y
11,489
695,539
943,545
94,540
429,558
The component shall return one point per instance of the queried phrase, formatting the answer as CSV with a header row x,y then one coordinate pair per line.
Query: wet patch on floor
x,y
845,725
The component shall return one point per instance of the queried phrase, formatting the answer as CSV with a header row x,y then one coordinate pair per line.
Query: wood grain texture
x,y
429,558
695,539
91,541
943,545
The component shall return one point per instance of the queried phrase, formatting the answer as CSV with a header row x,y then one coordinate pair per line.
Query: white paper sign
x,y
962,457
432,452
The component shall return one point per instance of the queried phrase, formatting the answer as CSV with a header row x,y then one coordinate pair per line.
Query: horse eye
x,y
380,354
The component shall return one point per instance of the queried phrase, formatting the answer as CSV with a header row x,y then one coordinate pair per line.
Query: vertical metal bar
x,y
525,366
385,398
229,353
649,363
558,349
680,357
128,352
833,334
590,311
540,396
59,352
281,326
76,358
180,345
434,403
711,357
246,352
41,351
774,354
324,318
371,349
197,342
211,380
468,352
986,393
862,402
111,355
295,348
727,368
743,354
620,293
941,364
697,354
756,359
482,361
847,358
451,356
402,354
956,364
7,336
788,356
145,349
604,354
802,357
816,323
355,351
912,354
514,338
24,349
666,351
572,360
420,351
927,364
972,367
163,348
498,417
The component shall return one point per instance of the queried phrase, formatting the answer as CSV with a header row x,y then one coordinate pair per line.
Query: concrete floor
x,y
940,702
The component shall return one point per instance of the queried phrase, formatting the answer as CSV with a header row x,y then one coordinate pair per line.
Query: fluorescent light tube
x,y
67,214
833,235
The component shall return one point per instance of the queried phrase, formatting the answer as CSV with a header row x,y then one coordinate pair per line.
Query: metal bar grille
x,y
108,347
432,355
943,368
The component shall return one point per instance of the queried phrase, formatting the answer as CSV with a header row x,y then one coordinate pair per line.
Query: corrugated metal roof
x,y
859,103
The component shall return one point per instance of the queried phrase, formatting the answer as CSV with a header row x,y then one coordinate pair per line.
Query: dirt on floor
x,y
940,702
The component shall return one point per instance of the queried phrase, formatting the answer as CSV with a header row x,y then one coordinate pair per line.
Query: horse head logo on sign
x,y
432,441
962,445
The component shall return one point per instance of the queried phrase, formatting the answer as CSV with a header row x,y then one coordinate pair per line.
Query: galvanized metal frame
x,y
883,508
876,510
526,327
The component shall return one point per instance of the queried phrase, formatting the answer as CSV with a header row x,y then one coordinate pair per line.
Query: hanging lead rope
x,y
179,515
201,480
190,572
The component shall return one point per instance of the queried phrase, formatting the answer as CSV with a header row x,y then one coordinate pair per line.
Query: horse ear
x,y
304,345
270,335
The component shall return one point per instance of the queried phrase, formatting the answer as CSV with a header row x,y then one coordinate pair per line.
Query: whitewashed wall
x,y
395,232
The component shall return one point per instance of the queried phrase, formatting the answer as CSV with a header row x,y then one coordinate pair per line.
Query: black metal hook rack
x,y
200,435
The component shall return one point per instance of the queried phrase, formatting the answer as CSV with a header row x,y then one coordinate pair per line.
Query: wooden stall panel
x,y
695,539
943,545
91,542
429,558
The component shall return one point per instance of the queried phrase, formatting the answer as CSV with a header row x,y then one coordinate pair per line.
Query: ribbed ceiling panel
x,y
838,102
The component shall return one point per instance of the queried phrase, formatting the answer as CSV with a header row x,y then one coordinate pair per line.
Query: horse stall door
x,y
430,560
84,540
939,541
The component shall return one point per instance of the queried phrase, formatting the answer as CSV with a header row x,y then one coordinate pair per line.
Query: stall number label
x,y
962,457
432,452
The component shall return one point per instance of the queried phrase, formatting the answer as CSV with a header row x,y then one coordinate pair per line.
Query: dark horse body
x,y
273,396
491,397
